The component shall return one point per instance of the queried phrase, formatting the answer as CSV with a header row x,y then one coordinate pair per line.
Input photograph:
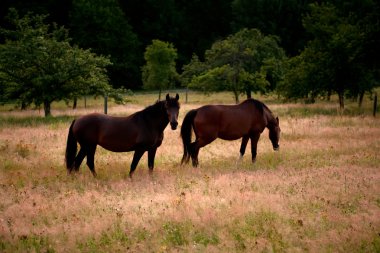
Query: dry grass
x,y
320,193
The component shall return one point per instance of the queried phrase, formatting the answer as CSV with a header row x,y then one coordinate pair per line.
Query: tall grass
x,y
32,121
319,193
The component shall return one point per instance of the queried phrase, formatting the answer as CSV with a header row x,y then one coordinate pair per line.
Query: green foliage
x,y
194,68
159,71
336,59
102,26
303,79
242,63
216,79
277,17
38,65
28,243
175,234
264,224
113,239
122,29
204,238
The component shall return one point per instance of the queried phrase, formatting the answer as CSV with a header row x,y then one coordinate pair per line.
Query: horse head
x,y
274,133
172,110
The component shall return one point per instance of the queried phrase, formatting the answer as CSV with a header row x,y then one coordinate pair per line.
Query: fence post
x,y
375,105
105,104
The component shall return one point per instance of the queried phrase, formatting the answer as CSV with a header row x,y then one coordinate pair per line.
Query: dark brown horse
x,y
246,120
141,131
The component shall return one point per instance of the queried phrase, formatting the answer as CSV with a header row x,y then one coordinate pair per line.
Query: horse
x,y
246,120
140,132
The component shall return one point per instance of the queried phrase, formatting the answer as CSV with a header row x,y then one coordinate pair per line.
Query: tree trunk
x,y
361,96
47,108
249,93
75,103
236,95
341,100
187,91
23,105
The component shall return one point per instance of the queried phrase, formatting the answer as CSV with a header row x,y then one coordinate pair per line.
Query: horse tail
x,y
186,128
71,148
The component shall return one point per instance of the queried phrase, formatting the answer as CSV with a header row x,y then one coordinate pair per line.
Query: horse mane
x,y
262,108
259,105
154,107
150,110
157,107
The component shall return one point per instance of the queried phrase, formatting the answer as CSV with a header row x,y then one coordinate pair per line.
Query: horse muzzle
x,y
276,148
173,125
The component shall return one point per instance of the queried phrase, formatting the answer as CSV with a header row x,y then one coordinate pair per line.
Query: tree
x,y
186,24
276,17
38,65
337,57
159,72
241,63
102,26
194,68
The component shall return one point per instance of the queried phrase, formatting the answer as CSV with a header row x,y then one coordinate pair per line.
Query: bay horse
x,y
246,120
140,132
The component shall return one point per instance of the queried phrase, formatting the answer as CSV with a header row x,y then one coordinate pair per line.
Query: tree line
x,y
299,49
123,29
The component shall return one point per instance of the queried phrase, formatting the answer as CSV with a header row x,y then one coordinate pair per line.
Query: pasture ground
x,y
319,193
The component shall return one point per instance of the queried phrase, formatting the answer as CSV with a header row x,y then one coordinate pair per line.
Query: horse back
x,y
112,133
118,134
86,128
228,122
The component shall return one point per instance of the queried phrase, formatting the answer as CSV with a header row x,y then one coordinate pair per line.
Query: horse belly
x,y
117,142
229,136
116,148
233,130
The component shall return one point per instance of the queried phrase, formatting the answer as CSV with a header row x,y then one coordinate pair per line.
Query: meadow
x,y
319,193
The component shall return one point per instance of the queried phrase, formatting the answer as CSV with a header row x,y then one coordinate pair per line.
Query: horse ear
x,y
176,97
167,97
278,121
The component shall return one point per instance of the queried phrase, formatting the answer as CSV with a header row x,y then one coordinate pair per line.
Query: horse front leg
x,y
243,145
151,156
254,140
136,158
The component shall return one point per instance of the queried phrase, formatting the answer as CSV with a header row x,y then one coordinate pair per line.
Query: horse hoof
x,y
130,177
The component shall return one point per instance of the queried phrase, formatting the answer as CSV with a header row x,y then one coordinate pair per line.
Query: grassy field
x,y
320,193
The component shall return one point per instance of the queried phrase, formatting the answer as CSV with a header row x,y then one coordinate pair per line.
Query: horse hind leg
x,y
78,160
195,147
186,157
90,159
194,156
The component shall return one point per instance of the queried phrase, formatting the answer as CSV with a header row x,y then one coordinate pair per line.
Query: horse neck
x,y
270,119
156,116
